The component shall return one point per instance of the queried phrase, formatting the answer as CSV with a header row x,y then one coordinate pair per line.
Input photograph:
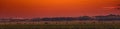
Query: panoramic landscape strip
x,y
83,22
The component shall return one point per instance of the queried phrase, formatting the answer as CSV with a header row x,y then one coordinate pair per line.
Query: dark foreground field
x,y
60,26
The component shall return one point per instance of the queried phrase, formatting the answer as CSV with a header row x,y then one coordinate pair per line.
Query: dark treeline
x,y
109,17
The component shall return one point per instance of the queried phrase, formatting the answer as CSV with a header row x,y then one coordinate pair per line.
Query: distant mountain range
x,y
110,17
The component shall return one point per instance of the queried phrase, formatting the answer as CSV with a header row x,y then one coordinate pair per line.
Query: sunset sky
x,y
57,8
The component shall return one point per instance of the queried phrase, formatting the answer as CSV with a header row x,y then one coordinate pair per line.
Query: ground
x,y
62,26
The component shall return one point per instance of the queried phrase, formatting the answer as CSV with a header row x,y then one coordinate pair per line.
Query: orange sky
x,y
57,8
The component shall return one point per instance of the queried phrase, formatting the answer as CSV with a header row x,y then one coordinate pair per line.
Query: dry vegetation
x,y
61,25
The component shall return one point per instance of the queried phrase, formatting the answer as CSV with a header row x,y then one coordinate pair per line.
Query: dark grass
x,y
60,26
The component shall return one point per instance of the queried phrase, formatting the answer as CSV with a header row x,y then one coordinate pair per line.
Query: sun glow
x,y
44,8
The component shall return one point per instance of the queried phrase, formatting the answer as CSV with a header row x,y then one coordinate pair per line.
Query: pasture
x,y
60,26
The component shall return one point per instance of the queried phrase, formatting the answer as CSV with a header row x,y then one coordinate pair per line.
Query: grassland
x,y
60,26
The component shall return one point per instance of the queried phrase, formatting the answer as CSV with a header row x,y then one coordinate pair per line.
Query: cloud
x,y
109,8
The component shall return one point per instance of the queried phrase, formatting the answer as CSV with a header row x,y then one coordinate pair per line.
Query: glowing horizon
x,y
57,8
